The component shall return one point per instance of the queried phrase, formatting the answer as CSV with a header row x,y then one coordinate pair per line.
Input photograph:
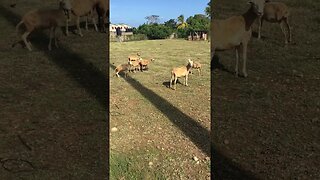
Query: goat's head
x,y
65,4
258,6
190,62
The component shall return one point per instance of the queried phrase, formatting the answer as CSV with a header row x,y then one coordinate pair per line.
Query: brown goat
x,y
41,19
276,12
180,72
235,32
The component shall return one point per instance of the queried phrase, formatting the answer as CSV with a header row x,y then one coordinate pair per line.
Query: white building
x,y
123,27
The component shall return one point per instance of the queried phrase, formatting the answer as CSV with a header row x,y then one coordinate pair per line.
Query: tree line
x,y
181,27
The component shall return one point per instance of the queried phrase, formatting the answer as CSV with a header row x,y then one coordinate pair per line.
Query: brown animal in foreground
x,y
276,12
180,72
235,32
41,19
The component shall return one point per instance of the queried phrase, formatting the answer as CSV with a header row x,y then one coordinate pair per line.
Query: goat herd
x,y
232,33
235,32
66,11
137,63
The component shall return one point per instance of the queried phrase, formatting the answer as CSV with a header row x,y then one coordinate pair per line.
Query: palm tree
x,y
182,24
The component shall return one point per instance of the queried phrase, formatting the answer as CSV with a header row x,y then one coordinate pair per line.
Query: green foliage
x,y
154,31
208,9
171,24
198,22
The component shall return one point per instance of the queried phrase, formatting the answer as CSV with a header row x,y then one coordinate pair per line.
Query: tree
x,y
182,24
153,19
171,23
154,31
198,22
208,9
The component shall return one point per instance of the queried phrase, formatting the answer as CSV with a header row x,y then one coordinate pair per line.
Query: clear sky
x,y
133,12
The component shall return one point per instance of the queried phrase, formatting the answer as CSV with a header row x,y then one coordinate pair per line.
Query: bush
x,y
137,37
154,31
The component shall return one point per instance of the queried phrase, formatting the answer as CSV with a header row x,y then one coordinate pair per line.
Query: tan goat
x,y
134,58
276,12
144,63
122,68
135,65
235,32
180,72
41,19
197,66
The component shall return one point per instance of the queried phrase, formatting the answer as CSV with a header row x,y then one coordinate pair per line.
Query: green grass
x,y
131,167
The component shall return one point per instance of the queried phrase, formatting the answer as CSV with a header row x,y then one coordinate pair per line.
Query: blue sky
x,y
133,12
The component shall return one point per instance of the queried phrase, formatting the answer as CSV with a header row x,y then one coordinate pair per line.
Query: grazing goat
x,y
135,66
134,58
180,72
235,32
41,19
276,12
122,68
197,66
79,8
144,63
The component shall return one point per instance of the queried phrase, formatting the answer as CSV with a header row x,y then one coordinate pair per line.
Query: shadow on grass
x,y
83,72
89,77
223,168
192,129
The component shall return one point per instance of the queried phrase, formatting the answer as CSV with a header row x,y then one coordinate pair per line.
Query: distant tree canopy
x,y
198,22
154,31
182,27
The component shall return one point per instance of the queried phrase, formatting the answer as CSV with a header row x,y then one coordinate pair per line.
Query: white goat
x,y
79,8
41,18
180,72
235,32
276,12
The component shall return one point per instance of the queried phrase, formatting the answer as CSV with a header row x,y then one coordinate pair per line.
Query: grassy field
x,y
160,130
53,104
267,125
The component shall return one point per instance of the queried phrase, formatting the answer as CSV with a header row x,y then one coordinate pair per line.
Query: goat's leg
x,y
260,26
78,26
289,29
24,38
55,37
244,66
175,82
186,83
237,61
94,23
87,17
171,80
199,70
283,31
51,36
